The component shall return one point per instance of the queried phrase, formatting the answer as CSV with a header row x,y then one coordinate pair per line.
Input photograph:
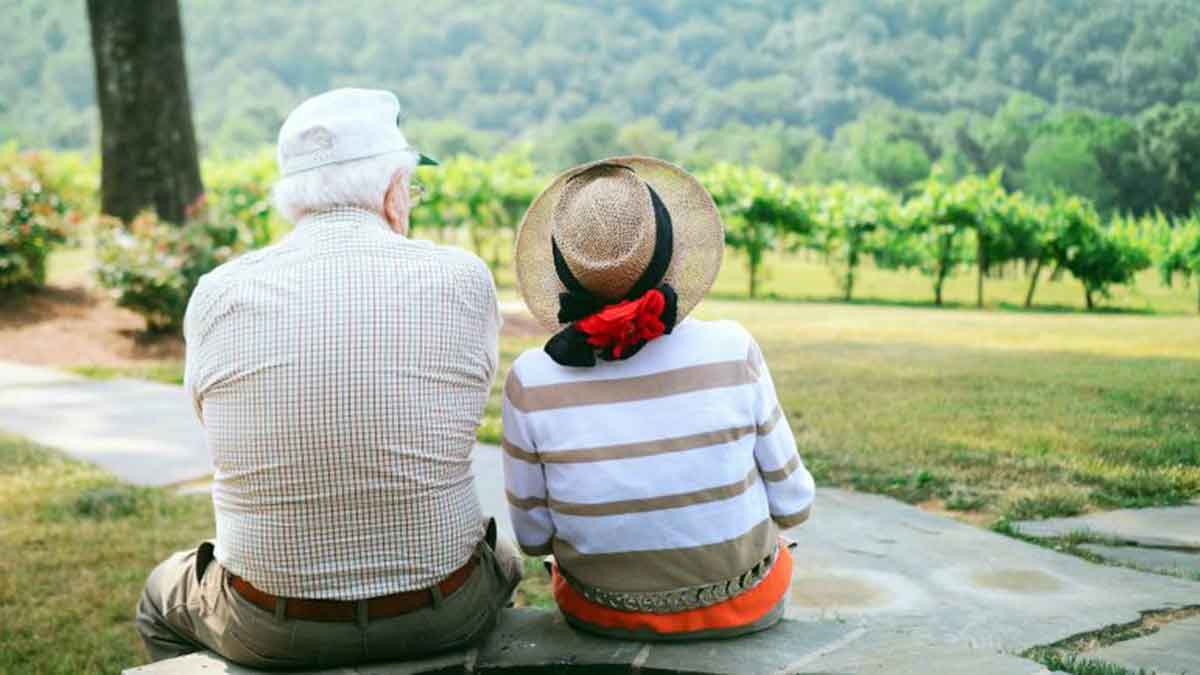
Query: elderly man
x,y
340,376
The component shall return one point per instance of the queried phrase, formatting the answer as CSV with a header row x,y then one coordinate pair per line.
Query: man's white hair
x,y
361,183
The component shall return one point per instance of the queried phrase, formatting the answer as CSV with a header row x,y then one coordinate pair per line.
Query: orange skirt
x,y
741,610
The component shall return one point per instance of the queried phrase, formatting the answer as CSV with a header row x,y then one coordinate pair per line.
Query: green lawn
x,y
77,546
804,276
1005,414
1008,414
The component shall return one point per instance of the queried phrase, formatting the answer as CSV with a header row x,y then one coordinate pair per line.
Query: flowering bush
x,y
32,221
152,267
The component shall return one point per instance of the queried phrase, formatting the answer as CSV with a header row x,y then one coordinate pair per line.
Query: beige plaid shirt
x,y
340,375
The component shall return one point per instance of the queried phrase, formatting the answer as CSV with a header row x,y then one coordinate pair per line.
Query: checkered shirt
x,y
340,375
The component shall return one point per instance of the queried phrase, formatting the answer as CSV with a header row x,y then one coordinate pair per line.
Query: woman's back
x,y
646,451
661,473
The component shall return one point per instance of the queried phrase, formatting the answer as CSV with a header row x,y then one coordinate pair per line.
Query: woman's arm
x,y
525,480
790,488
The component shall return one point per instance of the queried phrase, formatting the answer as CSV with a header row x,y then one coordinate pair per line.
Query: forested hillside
x,y
870,90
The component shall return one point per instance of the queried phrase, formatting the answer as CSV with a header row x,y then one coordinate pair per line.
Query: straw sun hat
x,y
614,253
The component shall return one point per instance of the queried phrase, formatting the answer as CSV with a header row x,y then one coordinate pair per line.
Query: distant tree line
x,y
1095,98
1136,166
944,225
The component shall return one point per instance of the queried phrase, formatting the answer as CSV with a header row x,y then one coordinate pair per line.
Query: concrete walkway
x,y
907,582
143,432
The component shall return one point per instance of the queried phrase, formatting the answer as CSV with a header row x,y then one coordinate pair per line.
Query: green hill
x,y
908,82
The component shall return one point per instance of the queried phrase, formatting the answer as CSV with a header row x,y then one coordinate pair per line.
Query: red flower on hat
x,y
626,324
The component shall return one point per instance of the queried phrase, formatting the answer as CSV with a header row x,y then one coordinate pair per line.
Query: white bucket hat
x,y
341,126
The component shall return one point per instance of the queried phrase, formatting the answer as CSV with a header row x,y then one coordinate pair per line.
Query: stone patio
x,y
1171,651
538,641
1165,527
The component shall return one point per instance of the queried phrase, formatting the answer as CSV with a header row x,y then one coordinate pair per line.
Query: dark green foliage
x,y
1095,255
1101,100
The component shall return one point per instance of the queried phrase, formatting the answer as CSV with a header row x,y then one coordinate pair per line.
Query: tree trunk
x,y
1037,270
1198,294
148,144
1087,298
753,279
851,264
981,264
942,270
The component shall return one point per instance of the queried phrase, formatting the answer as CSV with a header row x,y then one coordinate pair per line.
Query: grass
x,y
1077,665
805,277
1069,655
1005,414
77,546
167,372
1024,415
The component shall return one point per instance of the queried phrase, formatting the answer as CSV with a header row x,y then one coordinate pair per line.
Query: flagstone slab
x,y
1173,650
913,577
1163,560
540,641
143,432
531,641
1168,526
899,654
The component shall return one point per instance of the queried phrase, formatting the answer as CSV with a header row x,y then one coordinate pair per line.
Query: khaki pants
x,y
188,605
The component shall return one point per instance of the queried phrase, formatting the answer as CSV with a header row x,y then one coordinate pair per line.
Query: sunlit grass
x,y
1017,414
77,547
167,371
1003,413
803,276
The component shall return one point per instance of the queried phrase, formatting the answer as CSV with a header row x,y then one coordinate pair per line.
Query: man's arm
x,y
195,329
524,480
790,488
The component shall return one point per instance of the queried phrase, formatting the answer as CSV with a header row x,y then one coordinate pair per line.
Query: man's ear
x,y
391,213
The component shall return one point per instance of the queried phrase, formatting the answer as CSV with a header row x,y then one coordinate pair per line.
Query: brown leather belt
x,y
343,610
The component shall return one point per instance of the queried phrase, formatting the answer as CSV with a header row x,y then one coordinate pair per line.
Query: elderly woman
x,y
646,450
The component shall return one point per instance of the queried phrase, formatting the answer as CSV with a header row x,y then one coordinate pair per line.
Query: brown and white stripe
x,y
673,468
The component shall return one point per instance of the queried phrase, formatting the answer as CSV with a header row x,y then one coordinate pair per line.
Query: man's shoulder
x,y
460,260
230,271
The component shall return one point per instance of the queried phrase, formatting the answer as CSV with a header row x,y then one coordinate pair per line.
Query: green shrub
x,y
152,267
32,221
242,188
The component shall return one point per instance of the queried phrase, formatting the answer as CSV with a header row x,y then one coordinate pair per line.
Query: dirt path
x,y
69,326
74,325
